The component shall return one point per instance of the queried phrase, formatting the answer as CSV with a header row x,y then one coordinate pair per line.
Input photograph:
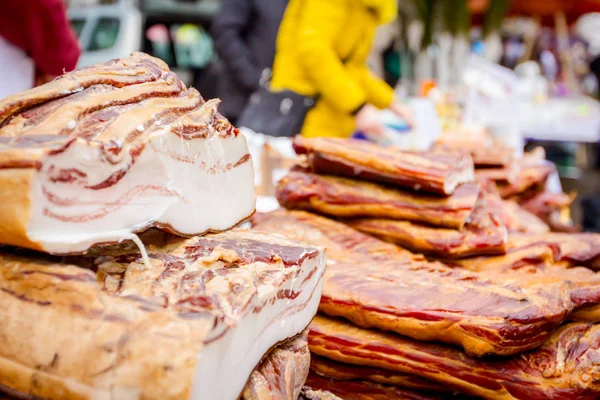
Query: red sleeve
x,y
52,43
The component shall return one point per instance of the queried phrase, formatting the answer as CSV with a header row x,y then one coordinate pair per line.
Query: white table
x,y
574,119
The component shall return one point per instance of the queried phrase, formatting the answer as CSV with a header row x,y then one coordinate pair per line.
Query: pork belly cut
x,y
567,249
336,237
282,374
496,157
507,174
339,371
553,208
485,313
484,233
565,367
530,176
206,306
480,145
426,171
346,198
98,165
366,390
311,394
516,218
137,68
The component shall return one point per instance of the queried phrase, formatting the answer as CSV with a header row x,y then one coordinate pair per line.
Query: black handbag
x,y
281,113
276,113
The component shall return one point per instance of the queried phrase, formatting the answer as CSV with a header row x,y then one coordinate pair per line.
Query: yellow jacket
x,y
322,48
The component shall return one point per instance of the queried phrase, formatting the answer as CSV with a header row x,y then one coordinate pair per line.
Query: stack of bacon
x,y
523,181
395,325
86,162
427,202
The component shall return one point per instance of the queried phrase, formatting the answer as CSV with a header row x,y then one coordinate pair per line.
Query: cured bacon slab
x,y
512,173
484,151
125,147
346,198
516,219
282,374
483,234
330,369
336,237
493,158
310,394
530,176
508,174
570,249
553,208
565,367
427,171
138,68
485,313
365,390
206,306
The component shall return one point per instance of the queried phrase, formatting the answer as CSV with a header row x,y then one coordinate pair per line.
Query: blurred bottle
x,y
426,86
193,46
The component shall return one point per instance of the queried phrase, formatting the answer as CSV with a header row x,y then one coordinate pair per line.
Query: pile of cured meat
x,y
86,162
468,295
522,181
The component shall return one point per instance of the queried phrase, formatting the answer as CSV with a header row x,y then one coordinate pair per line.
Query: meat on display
x,y
484,234
430,172
280,375
184,321
565,367
103,152
346,198
374,285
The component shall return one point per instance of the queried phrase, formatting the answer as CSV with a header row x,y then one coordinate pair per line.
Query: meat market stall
x,y
385,274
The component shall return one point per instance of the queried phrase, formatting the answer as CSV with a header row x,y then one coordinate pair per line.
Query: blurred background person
x,y
588,28
244,32
36,44
322,49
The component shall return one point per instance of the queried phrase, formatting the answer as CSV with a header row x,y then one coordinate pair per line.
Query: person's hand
x,y
404,111
368,120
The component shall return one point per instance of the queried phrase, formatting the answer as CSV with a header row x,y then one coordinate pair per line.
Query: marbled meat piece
x,y
310,394
282,374
427,171
509,174
553,208
347,198
138,68
516,218
529,177
103,152
366,390
484,233
565,367
336,237
480,145
331,369
485,313
572,249
204,307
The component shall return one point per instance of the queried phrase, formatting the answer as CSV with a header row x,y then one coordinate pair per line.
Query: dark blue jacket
x,y
245,32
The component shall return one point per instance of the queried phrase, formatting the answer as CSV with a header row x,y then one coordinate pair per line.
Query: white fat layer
x,y
170,183
225,364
